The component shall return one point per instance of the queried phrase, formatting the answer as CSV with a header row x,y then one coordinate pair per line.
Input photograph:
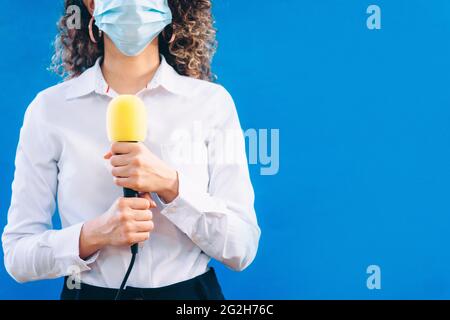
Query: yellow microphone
x,y
127,119
127,122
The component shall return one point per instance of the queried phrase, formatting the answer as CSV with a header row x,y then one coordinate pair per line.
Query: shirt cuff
x,y
191,204
65,245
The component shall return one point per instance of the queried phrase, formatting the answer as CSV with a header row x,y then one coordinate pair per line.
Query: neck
x,y
129,75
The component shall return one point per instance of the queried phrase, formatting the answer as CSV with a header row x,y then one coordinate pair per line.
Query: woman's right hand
x,y
127,222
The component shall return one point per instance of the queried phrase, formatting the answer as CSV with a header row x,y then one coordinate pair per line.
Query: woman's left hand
x,y
137,168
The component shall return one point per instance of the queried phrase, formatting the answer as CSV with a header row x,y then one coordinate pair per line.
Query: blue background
x,y
364,120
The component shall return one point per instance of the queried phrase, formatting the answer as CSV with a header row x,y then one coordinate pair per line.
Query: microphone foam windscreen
x,y
126,119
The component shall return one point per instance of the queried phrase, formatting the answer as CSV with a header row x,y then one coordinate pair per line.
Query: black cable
x,y
128,193
134,251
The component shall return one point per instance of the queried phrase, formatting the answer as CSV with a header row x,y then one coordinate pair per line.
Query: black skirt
x,y
203,287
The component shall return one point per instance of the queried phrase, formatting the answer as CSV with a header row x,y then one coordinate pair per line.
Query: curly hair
x,y
190,53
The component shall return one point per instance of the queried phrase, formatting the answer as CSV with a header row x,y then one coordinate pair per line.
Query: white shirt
x,y
59,164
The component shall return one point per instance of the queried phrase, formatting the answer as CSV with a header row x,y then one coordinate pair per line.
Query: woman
x,y
195,204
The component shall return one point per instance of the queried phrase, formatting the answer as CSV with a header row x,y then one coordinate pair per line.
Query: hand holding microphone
x,y
127,221
135,167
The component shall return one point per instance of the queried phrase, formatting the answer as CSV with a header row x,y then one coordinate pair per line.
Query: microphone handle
x,y
129,193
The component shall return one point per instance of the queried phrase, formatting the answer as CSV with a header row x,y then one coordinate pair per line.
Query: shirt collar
x,y
92,80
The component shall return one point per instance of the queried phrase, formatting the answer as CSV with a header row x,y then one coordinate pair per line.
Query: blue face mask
x,y
132,24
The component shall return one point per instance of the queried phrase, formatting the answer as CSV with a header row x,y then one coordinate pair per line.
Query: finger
x,y
132,182
135,203
141,237
120,160
142,215
122,172
124,182
144,226
108,155
148,196
123,147
139,204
